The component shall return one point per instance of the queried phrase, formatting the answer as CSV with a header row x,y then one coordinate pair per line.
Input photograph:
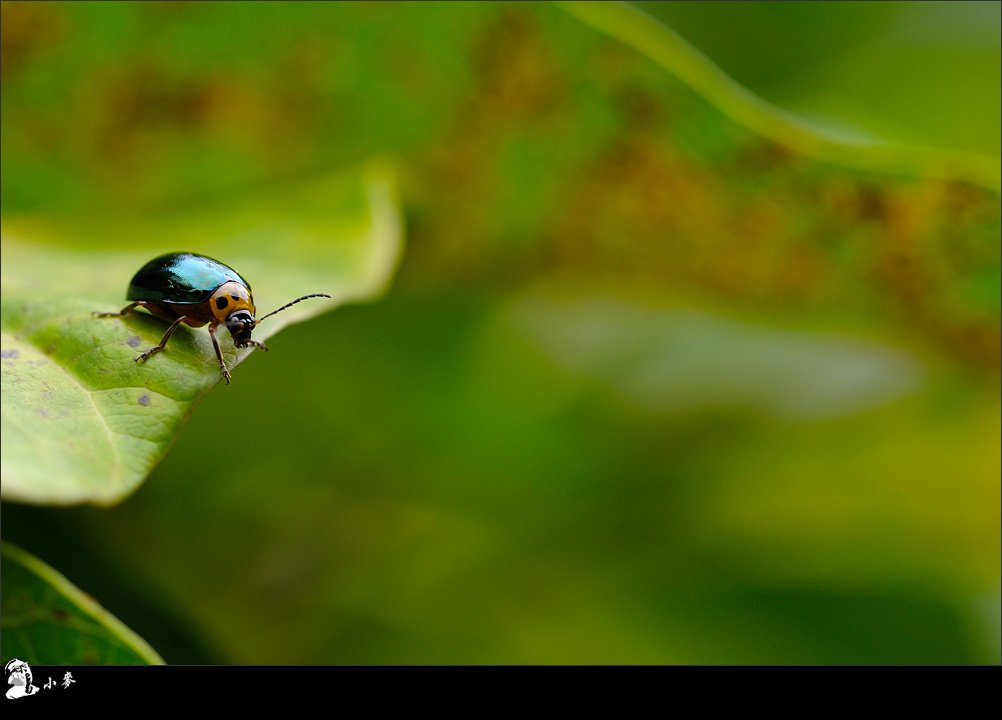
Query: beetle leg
x,y
163,342
257,344
121,313
219,354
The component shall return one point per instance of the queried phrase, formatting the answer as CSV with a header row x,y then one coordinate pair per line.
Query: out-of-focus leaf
x,y
81,420
674,361
48,621
839,59
647,35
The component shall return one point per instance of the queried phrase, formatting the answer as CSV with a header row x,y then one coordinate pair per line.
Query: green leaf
x,y
49,621
82,422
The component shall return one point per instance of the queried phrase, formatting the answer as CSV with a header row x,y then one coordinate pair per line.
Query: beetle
x,y
184,287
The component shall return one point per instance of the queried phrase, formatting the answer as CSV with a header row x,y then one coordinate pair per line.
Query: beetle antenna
x,y
288,305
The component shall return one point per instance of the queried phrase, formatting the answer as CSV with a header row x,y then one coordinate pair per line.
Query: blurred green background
x,y
648,388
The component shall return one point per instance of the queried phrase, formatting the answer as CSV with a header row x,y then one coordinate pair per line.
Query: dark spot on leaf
x,y
60,615
42,411
133,341
144,400
9,353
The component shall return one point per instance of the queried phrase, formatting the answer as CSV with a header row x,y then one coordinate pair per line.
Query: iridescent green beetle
x,y
195,290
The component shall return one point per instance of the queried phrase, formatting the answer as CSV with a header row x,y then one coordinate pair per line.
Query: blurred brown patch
x,y
933,237
644,210
516,72
518,85
26,28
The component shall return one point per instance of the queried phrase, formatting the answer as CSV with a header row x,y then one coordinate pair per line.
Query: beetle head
x,y
240,323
